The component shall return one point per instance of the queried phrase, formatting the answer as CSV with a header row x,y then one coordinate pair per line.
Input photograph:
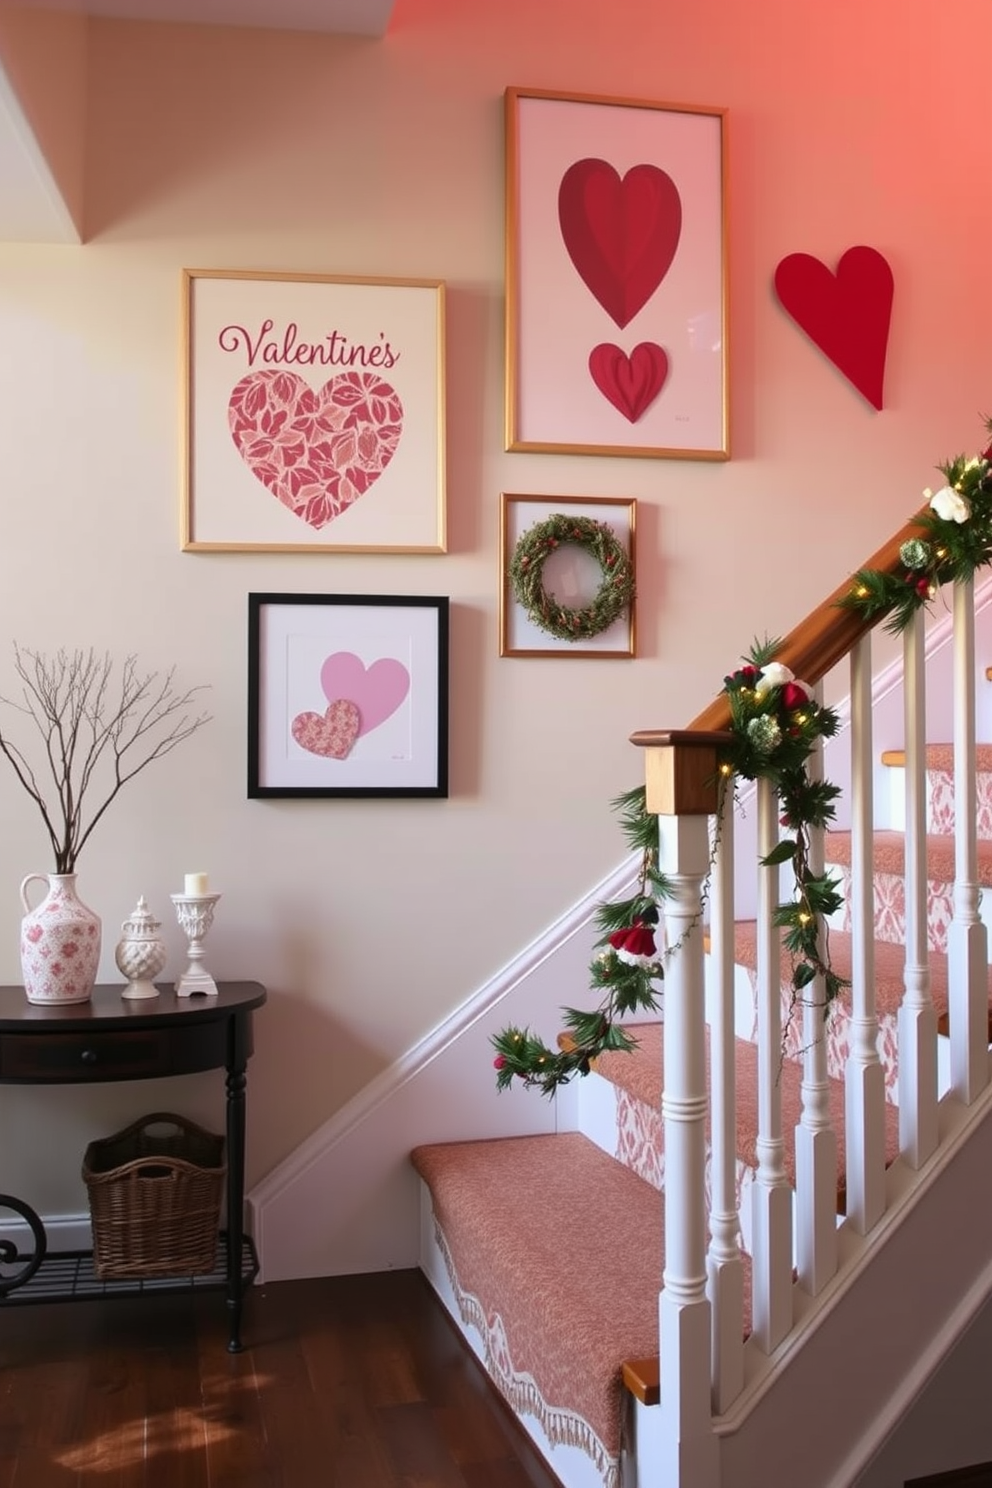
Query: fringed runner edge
x,y
562,1427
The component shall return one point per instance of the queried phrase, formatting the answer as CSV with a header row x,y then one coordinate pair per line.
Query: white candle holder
x,y
195,913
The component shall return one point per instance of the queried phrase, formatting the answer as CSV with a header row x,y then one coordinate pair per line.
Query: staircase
x,y
779,1181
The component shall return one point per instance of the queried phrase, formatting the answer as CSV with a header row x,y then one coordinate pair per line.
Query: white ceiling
x,y
31,207
354,17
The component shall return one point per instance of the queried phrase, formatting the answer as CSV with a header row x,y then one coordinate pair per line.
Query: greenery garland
x,y
625,969
775,723
614,594
955,541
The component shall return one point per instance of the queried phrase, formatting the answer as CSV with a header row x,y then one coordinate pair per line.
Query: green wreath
x,y
612,597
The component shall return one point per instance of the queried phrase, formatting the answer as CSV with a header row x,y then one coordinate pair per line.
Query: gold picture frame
x,y
571,575
313,413
616,279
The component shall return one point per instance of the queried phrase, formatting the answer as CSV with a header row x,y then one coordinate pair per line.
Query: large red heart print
x,y
316,449
621,234
846,314
630,382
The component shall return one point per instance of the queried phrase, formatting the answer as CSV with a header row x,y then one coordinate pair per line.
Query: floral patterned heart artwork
x,y
845,314
316,449
330,734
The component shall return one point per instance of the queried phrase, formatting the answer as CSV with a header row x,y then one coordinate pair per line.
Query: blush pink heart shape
x,y
631,383
846,314
620,233
377,691
330,734
316,449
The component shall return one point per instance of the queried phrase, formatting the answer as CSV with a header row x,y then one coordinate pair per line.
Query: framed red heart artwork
x,y
616,298
314,413
347,695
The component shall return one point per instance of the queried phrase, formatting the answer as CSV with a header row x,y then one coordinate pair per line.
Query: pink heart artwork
x,y
846,314
316,449
620,233
377,691
331,733
630,382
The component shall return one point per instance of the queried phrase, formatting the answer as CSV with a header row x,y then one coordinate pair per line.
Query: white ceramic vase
x,y
60,942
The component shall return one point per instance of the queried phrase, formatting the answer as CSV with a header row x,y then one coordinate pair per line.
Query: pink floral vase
x,y
60,942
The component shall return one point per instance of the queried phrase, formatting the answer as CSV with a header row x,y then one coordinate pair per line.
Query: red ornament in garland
x,y
635,943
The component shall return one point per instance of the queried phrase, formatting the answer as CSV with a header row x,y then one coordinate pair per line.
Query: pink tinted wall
x,y
44,55
371,920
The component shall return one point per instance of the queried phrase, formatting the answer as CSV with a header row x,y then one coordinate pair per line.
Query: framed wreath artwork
x,y
568,580
616,297
314,414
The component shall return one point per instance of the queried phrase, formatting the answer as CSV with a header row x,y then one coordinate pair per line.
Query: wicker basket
x,y
155,1192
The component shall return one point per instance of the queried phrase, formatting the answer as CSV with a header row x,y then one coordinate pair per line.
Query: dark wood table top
x,y
108,1010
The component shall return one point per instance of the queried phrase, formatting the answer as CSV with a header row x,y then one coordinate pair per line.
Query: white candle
x,y
196,885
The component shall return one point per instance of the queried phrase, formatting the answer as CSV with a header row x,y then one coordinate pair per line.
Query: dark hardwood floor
x,y
344,1382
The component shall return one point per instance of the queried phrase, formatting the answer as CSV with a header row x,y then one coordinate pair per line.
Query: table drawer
x,y
70,1058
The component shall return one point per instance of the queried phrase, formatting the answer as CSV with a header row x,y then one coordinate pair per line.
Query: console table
x,y
110,1038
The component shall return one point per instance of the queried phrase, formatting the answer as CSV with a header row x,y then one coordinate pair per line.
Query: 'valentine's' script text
x,y
334,350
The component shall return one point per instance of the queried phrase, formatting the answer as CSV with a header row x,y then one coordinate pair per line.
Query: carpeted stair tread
x,y
889,855
639,1073
890,960
941,757
534,1232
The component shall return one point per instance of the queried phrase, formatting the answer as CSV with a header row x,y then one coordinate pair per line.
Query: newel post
x,y
681,782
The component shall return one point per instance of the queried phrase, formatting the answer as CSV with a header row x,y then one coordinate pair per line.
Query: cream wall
x,y
370,920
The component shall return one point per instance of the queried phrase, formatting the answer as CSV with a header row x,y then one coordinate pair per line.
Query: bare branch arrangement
x,y
98,731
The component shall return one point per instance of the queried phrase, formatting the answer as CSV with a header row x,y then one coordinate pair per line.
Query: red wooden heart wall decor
x,y
846,314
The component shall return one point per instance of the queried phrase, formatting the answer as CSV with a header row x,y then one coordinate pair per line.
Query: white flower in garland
x,y
777,675
949,504
772,675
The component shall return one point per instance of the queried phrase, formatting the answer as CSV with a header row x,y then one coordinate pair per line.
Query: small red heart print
x,y
631,383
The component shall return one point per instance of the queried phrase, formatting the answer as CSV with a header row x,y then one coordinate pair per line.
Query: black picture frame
x,y
347,695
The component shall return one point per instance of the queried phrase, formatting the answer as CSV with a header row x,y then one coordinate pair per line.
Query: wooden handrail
x,y
818,643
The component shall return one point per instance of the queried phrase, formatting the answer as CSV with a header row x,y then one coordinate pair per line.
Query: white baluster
x,y
816,1140
725,1270
917,1019
967,943
771,1194
689,1448
864,1088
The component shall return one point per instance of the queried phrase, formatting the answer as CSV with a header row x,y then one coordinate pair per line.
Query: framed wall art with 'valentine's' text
x,y
314,413
616,300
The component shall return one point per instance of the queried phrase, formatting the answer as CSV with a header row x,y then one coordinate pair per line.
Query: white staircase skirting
x,y
346,1201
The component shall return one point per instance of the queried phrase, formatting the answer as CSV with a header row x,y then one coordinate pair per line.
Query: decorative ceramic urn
x,y
141,952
